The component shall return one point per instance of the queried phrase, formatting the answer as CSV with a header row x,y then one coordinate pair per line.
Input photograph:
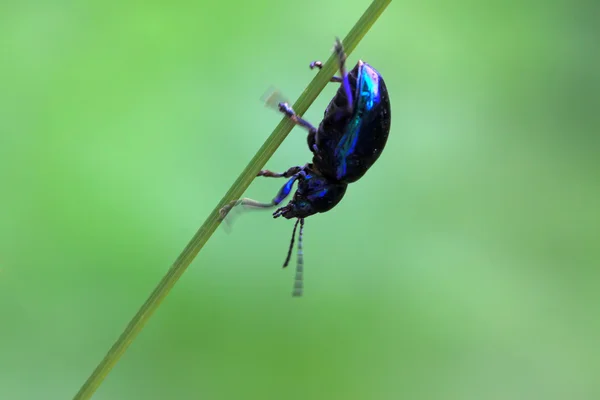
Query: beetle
x,y
348,141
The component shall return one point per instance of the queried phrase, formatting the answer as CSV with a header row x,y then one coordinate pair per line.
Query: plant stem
x,y
237,189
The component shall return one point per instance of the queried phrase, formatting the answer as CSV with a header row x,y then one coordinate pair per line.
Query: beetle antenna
x,y
299,280
289,254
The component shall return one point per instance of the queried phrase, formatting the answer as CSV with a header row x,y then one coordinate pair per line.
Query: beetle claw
x,y
224,211
286,109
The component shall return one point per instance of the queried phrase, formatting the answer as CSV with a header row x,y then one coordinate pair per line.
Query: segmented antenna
x,y
299,282
289,254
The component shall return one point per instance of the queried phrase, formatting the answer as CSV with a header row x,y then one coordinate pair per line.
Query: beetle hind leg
x,y
341,54
319,64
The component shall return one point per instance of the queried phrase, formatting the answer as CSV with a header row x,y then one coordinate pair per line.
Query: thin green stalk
x,y
237,189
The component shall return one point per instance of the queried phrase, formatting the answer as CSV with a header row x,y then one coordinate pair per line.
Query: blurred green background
x,y
463,266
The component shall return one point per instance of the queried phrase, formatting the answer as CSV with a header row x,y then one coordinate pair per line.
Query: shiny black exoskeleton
x,y
348,141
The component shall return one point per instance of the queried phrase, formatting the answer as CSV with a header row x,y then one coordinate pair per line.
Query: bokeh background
x,y
463,266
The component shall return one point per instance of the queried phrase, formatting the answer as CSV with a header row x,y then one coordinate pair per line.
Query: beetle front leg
x,y
291,114
319,64
283,193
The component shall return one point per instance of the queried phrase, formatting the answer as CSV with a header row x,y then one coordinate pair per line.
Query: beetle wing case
x,y
349,143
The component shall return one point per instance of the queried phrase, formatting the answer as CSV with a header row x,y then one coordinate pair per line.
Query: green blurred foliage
x,y
463,266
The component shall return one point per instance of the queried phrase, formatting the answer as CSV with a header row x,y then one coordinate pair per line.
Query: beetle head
x,y
315,194
297,208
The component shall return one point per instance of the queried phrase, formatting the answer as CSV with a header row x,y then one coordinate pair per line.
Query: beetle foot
x,y
286,109
225,210
339,50
319,65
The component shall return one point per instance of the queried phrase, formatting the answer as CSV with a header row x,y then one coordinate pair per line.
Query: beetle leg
x,y
290,113
319,64
287,188
244,202
339,50
283,193
286,174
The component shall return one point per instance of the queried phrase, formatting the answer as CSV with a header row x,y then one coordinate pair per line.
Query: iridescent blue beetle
x,y
347,143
